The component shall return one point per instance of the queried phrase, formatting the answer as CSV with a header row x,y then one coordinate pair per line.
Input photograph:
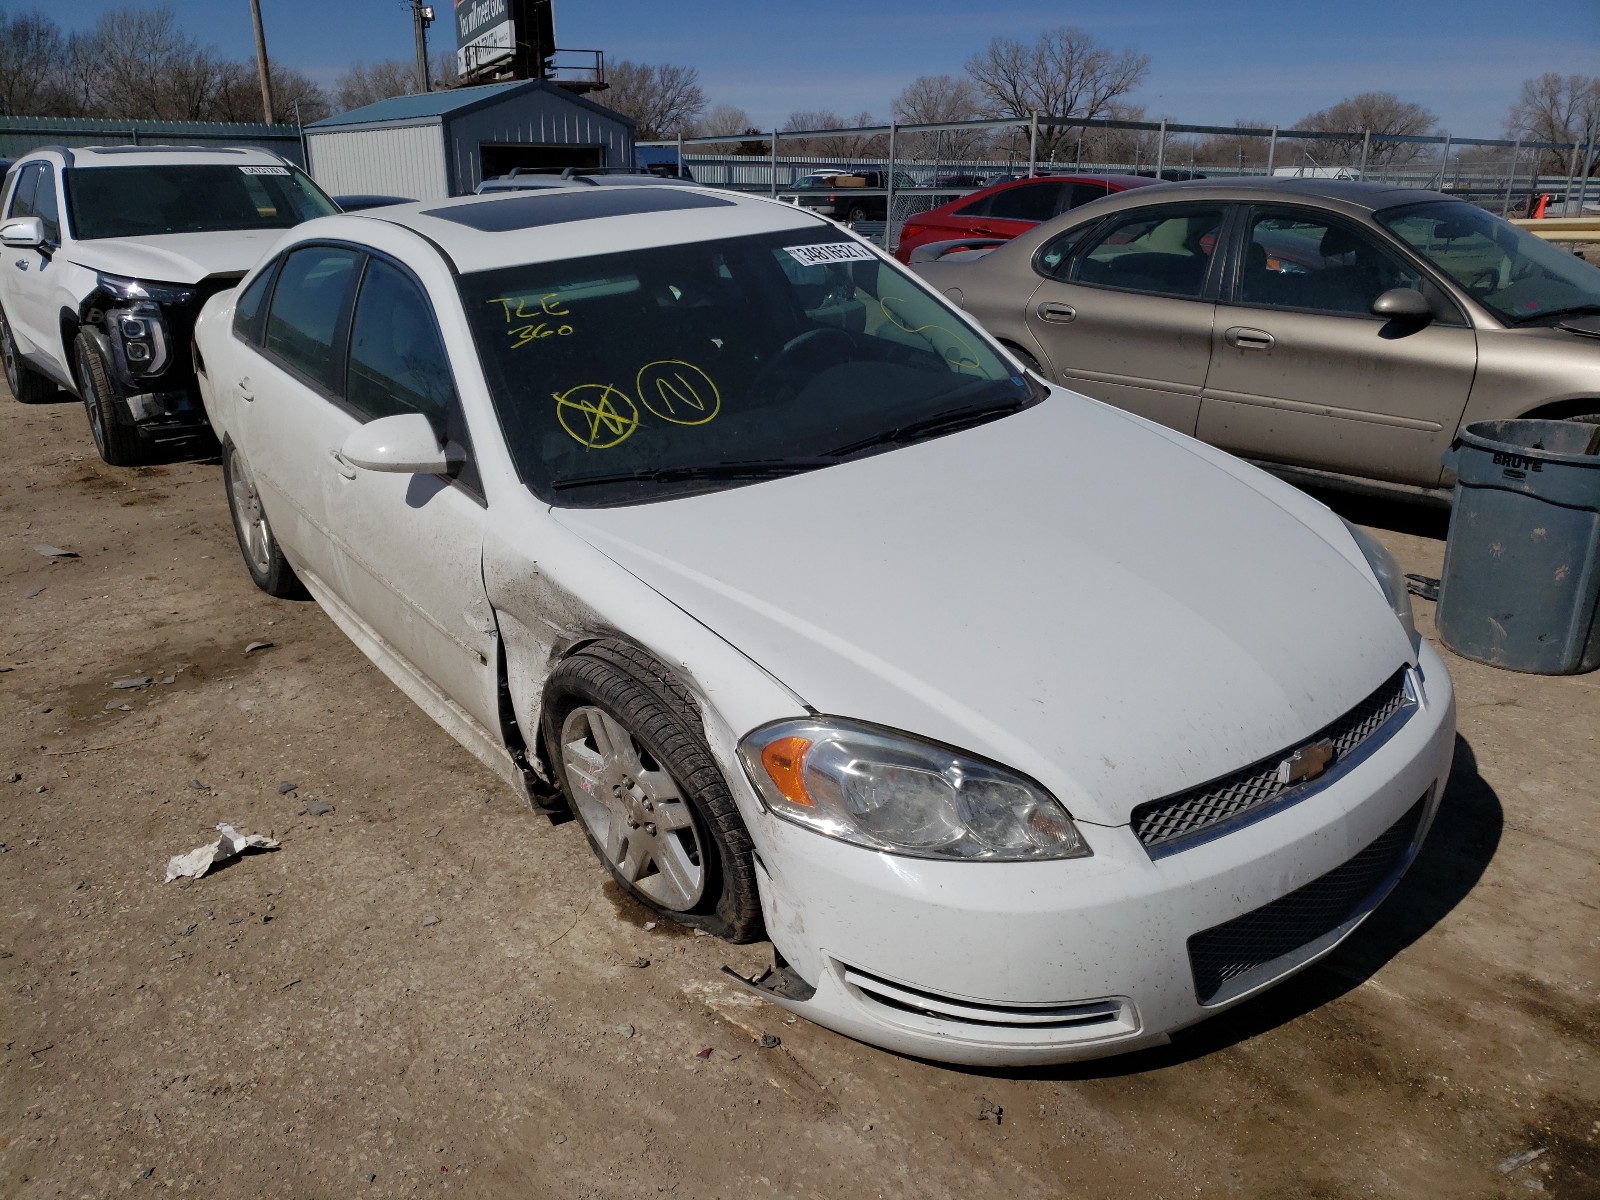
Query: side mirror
x,y
1405,304
404,444
24,233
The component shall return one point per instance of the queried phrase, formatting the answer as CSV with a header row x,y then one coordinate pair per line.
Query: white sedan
x,y
1024,729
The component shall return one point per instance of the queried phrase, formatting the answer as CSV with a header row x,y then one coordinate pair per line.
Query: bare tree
x,y
1382,114
362,85
939,100
1233,149
663,100
295,96
840,145
1065,73
1557,108
724,120
31,55
446,69
144,65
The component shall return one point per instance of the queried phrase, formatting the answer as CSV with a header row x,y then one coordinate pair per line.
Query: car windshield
x,y
108,202
631,377
1520,278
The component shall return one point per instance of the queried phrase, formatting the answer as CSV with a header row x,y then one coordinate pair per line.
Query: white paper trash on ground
x,y
231,844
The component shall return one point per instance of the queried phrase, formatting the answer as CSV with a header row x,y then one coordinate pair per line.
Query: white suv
x,y
109,252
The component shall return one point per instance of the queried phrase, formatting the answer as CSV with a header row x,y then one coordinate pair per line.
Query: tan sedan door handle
x,y
1059,313
342,464
244,390
1246,338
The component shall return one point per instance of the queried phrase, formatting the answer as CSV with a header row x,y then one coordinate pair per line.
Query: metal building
x,y
439,144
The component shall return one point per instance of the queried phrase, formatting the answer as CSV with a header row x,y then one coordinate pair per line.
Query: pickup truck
x,y
847,195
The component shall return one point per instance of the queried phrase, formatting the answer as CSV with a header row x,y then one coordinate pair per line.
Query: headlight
x,y
121,287
891,792
1389,578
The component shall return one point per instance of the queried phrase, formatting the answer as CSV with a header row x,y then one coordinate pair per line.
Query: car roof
x,y
1352,193
509,228
145,156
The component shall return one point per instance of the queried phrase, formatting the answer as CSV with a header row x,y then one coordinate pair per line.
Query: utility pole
x,y
261,63
422,17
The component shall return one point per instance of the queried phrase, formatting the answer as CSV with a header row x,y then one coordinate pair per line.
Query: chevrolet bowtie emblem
x,y
1306,763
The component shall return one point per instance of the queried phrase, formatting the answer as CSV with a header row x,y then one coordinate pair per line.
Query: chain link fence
x,y
924,166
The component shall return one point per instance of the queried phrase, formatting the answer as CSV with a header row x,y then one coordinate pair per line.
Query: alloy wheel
x,y
634,808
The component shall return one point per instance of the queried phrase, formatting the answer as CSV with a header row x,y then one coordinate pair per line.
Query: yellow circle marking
x,y
950,355
596,415
679,393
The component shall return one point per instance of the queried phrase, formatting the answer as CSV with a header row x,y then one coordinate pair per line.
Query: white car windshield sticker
x,y
265,170
833,252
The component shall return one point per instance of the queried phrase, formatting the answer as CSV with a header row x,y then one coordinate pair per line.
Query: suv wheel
x,y
26,384
115,438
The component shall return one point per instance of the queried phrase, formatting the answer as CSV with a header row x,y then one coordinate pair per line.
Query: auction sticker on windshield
x,y
831,252
265,170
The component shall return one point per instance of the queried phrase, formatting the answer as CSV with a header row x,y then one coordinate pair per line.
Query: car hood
x,y
1116,611
177,257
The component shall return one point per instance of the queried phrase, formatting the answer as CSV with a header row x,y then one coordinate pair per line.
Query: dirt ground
x,y
428,988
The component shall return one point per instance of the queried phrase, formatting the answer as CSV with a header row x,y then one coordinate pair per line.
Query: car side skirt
x,y
451,717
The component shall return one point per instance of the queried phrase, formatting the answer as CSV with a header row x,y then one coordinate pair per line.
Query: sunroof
x,y
532,210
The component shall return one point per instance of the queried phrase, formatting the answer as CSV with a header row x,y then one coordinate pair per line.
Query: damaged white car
x,y
1025,730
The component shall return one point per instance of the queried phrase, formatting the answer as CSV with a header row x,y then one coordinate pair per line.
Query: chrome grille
x,y
1234,948
1166,825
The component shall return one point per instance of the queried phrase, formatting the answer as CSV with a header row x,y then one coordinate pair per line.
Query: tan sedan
x,y
1338,332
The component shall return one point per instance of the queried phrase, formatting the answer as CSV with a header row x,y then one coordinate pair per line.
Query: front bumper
x,y
1031,963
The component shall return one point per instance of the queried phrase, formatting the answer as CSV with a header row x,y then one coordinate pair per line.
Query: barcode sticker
x,y
832,252
265,170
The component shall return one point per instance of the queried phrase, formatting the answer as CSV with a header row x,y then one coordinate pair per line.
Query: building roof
x,y
426,106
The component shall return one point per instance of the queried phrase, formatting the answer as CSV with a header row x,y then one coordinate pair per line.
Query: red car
x,y
1004,210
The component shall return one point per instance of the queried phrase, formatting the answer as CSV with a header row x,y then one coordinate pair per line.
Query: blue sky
x,y
1269,60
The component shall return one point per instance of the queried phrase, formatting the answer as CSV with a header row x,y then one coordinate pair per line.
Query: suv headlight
x,y
889,791
1389,579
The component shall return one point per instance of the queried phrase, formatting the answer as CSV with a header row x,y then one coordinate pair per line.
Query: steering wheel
x,y
807,354
1485,281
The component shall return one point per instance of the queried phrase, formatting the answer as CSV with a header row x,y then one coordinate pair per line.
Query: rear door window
x,y
247,309
1161,251
308,307
1028,202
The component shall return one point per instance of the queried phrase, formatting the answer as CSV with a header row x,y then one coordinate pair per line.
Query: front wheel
x,y
653,804
117,440
26,384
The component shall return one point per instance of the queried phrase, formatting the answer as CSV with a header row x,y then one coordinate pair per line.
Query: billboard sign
x,y
485,34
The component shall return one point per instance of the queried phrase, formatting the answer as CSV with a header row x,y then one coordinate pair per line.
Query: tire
x,y
263,557
1026,360
856,212
115,437
624,737
26,384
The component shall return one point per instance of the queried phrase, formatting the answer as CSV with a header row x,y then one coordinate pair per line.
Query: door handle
x,y
244,390
342,464
1244,338
1059,313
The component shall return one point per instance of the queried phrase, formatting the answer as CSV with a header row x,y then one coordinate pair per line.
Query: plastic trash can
x,y
1521,583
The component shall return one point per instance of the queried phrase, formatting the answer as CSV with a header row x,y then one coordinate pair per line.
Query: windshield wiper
x,y
1573,310
945,422
757,468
